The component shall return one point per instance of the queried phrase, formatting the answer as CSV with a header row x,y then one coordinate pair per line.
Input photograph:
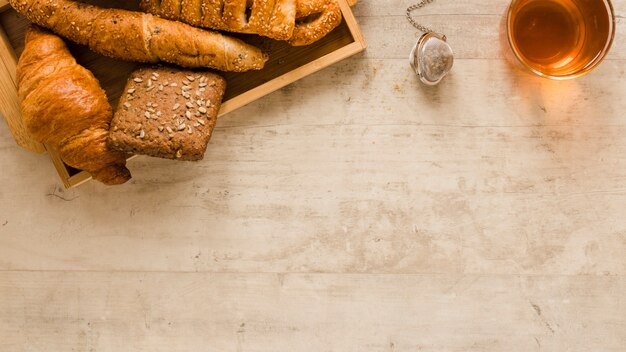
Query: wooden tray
x,y
286,65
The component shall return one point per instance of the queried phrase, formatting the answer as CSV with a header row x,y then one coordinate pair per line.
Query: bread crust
x,y
308,32
167,112
277,19
141,37
63,106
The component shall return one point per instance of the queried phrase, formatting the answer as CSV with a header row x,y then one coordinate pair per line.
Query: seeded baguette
x,y
167,112
135,36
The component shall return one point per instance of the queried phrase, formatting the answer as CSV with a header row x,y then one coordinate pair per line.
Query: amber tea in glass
x,y
560,39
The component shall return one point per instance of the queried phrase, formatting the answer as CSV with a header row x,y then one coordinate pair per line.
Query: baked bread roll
x,y
63,106
308,7
271,18
135,36
316,20
167,112
301,22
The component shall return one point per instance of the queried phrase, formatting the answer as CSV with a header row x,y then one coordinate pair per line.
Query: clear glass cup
x,y
560,39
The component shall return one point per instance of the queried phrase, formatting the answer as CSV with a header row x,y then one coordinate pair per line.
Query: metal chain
x,y
418,26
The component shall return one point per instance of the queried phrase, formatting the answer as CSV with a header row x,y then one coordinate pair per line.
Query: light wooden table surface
x,y
352,211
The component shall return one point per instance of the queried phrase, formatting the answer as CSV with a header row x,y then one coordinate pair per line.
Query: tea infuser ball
x,y
431,58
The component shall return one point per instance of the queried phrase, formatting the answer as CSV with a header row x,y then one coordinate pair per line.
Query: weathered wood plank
x,y
471,36
268,312
444,7
352,211
381,177
473,27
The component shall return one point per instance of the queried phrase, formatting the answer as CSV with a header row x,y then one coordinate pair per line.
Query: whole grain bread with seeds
x,y
136,36
167,112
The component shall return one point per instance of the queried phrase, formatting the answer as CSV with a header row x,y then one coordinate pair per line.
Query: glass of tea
x,y
560,39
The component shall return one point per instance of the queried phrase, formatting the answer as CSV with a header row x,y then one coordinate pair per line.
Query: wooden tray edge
x,y
9,106
357,46
73,180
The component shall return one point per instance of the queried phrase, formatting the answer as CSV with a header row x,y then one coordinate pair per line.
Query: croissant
x,y
64,106
135,36
301,22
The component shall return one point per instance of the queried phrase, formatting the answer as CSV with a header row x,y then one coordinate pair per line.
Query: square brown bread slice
x,y
167,112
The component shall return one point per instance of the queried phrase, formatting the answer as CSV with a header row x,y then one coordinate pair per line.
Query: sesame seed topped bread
x,y
300,22
270,18
320,20
167,112
136,36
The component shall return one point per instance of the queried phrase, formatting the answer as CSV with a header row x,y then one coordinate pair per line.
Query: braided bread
x,y
301,22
